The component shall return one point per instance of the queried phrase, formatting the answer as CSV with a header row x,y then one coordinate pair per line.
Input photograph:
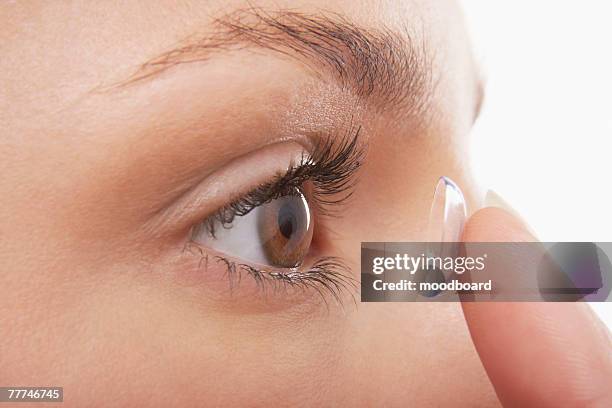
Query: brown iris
x,y
285,228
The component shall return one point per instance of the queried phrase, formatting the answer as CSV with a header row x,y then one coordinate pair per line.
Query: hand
x,y
537,354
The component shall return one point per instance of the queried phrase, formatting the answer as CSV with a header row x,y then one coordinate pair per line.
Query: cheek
x,y
415,352
155,345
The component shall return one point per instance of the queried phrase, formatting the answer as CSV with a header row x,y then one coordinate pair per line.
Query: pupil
x,y
286,220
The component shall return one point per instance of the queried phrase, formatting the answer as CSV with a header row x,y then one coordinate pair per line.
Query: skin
x,y
102,183
564,347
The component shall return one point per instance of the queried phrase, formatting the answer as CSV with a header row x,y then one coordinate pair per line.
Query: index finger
x,y
537,354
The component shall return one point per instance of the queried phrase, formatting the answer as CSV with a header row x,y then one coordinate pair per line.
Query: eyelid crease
x,y
181,209
315,149
330,167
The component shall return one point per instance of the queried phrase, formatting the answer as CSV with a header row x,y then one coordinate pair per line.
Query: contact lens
x,y
446,220
448,213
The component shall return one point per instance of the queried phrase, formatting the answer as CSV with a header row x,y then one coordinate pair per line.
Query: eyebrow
x,y
379,65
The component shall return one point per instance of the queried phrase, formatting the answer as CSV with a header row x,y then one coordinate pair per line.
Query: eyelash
x,y
329,168
328,274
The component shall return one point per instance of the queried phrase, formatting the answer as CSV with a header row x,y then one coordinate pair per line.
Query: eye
x,y
276,233
268,233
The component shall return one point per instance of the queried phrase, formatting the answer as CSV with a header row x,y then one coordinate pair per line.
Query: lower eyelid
x,y
324,278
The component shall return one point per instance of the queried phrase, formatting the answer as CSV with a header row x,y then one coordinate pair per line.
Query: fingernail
x,y
492,199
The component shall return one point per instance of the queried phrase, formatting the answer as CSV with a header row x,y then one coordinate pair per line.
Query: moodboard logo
x,y
486,271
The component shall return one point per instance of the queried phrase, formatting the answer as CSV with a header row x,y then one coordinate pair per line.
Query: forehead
x,y
55,52
116,34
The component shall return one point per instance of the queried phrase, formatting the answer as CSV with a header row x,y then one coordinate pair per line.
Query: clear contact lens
x,y
446,220
448,213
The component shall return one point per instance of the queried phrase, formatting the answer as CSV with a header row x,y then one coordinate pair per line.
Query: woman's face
x,y
181,183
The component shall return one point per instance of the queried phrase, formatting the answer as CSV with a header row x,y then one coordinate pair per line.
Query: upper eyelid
x,y
330,166
342,153
212,192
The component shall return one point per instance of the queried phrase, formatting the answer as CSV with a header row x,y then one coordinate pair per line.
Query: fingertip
x,y
493,224
565,351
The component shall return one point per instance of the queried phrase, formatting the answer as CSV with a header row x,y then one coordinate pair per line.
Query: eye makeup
x,y
279,218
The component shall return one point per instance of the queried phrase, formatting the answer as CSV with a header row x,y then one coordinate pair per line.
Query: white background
x,y
544,139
